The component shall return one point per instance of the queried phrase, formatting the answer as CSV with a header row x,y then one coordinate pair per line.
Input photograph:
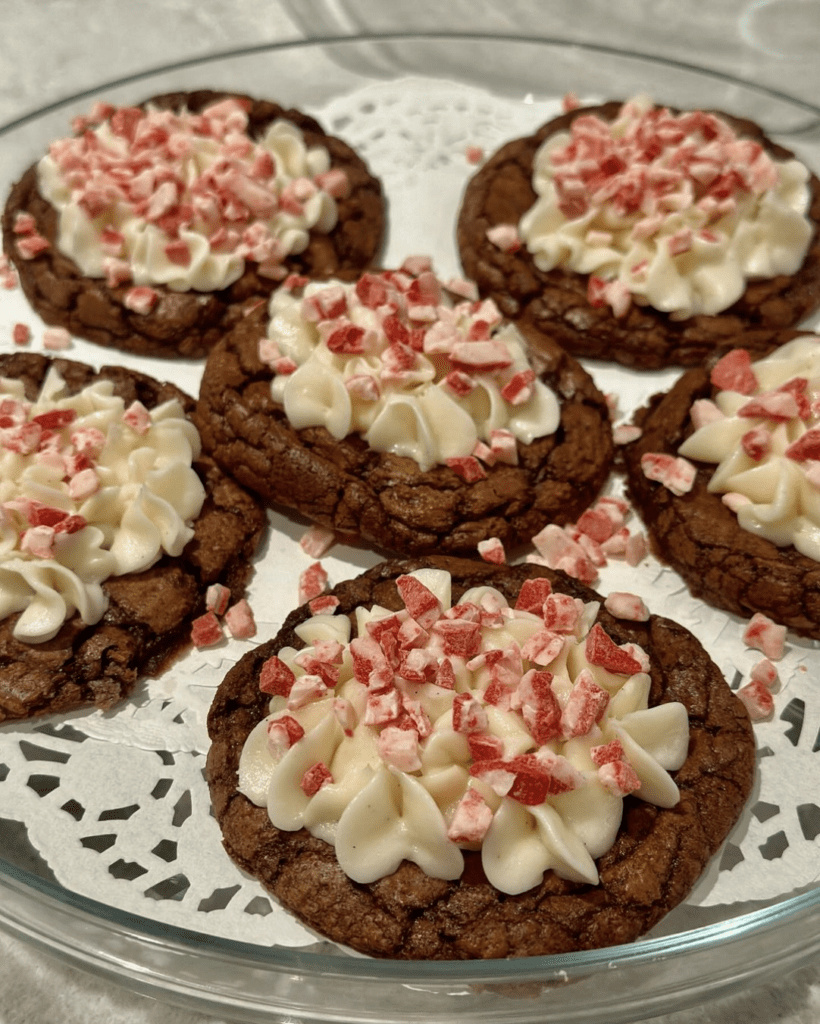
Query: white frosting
x,y
130,490
776,488
399,396
398,781
197,181
672,211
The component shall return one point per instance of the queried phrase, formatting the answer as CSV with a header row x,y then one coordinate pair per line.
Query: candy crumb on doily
x,y
237,619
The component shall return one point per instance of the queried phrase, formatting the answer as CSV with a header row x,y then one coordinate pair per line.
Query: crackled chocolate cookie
x,y
725,478
564,796
392,411
651,245
154,227
113,526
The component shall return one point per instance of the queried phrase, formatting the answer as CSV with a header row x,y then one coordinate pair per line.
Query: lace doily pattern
x,y
114,805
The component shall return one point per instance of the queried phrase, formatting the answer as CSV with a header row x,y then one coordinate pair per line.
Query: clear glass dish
x,y
698,953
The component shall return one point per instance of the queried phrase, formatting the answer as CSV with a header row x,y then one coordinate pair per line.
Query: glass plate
x,y
461,90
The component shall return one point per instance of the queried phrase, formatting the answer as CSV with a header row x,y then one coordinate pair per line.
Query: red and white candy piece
x,y
240,621
765,635
312,582
626,606
206,630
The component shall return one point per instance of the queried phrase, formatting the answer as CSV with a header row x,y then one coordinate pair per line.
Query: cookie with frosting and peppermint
x,y
444,759
725,476
114,526
639,235
403,411
154,227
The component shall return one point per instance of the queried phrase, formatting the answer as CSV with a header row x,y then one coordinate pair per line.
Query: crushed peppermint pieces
x,y
673,176
236,620
676,473
229,202
580,549
418,645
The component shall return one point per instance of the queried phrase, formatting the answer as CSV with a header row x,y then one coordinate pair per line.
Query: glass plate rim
x,y
574,964
377,37
645,951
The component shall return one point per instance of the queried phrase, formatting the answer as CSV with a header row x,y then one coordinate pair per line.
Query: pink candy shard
x,y
602,650
137,417
420,601
312,582
276,678
619,777
492,550
140,299
626,606
469,714
757,699
471,819
505,237
606,752
317,541
805,447
206,630
733,372
315,777
467,467
460,638
674,472
765,672
585,706
484,746
239,620
534,777
533,595
21,334
370,665
324,605
56,339
31,246
756,443
283,732
399,748
217,598
765,635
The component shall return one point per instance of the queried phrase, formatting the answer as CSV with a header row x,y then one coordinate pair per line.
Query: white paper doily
x,y
116,804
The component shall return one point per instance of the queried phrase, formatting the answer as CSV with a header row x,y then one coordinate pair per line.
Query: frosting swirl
x,y
394,359
764,434
673,211
440,728
183,200
88,489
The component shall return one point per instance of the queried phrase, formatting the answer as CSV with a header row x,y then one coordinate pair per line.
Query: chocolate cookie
x,y
173,323
657,855
390,500
556,303
699,535
149,613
